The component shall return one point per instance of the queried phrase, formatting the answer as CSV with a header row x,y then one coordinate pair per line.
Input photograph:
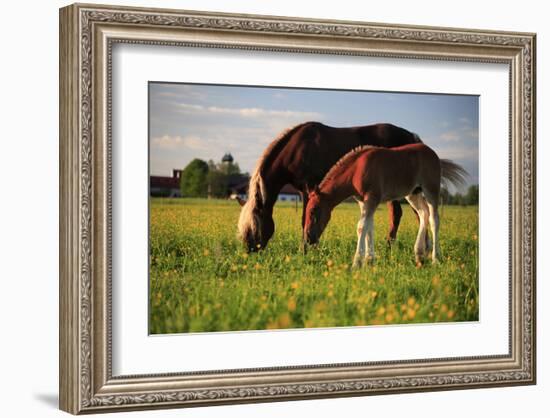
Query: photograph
x,y
291,208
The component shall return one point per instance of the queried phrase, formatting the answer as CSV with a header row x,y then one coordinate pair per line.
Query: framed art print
x,y
260,208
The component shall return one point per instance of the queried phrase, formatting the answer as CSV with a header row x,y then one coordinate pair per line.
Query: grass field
x,y
201,279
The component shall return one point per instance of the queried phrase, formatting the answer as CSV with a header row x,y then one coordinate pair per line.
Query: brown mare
x,y
374,175
301,156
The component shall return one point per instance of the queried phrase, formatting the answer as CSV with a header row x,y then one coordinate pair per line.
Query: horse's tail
x,y
452,173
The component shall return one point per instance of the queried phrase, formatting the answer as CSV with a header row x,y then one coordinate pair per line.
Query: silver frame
x,y
87,34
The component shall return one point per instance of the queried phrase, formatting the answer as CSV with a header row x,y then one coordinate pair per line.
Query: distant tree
x,y
228,168
193,181
472,195
470,198
445,196
218,177
217,183
459,199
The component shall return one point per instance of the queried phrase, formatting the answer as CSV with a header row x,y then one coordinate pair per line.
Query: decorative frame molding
x,y
87,33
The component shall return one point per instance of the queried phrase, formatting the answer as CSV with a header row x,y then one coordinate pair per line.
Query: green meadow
x,y
202,280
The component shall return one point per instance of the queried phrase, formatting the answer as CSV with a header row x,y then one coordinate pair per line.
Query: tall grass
x,y
201,279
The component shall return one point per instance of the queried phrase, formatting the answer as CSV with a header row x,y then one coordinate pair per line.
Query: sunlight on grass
x,y
202,280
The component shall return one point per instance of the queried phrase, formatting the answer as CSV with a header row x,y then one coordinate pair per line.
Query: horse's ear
x,y
242,202
308,191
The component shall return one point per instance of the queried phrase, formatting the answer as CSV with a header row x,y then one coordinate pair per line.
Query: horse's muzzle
x,y
253,246
311,239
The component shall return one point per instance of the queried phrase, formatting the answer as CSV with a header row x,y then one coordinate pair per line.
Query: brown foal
x,y
374,175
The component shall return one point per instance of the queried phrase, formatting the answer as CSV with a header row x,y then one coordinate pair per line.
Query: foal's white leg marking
x,y
361,231
424,203
368,210
434,225
370,237
418,204
429,244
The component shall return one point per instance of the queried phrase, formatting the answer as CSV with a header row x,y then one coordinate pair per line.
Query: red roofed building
x,y
162,186
287,194
237,184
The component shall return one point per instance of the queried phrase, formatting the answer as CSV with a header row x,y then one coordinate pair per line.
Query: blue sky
x,y
205,121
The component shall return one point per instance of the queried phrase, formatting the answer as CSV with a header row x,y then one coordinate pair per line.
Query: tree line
x,y
471,197
207,179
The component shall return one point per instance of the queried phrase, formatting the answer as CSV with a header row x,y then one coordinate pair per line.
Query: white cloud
x,y
466,131
450,136
169,94
186,107
174,142
247,112
459,154
179,91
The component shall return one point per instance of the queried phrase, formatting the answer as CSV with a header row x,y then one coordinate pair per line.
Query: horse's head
x,y
317,216
256,226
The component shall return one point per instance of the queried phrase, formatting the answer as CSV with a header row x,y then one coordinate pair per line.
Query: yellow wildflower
x,y
291,305
284,320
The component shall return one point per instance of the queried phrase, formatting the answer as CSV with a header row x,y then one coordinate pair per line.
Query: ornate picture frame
x,y
87,35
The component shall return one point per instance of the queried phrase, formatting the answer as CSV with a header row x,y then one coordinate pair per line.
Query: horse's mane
x,y
417,138
345,159
256,186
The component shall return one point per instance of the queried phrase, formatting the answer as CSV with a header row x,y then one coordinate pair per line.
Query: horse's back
x,y
379,167
312,148
385,135
420,149
378,134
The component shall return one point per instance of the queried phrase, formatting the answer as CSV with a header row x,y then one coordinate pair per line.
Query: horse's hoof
x,y
357,264
418,263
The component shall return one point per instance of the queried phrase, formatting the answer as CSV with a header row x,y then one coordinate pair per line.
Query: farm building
x,y
236,186
287,194
163,186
